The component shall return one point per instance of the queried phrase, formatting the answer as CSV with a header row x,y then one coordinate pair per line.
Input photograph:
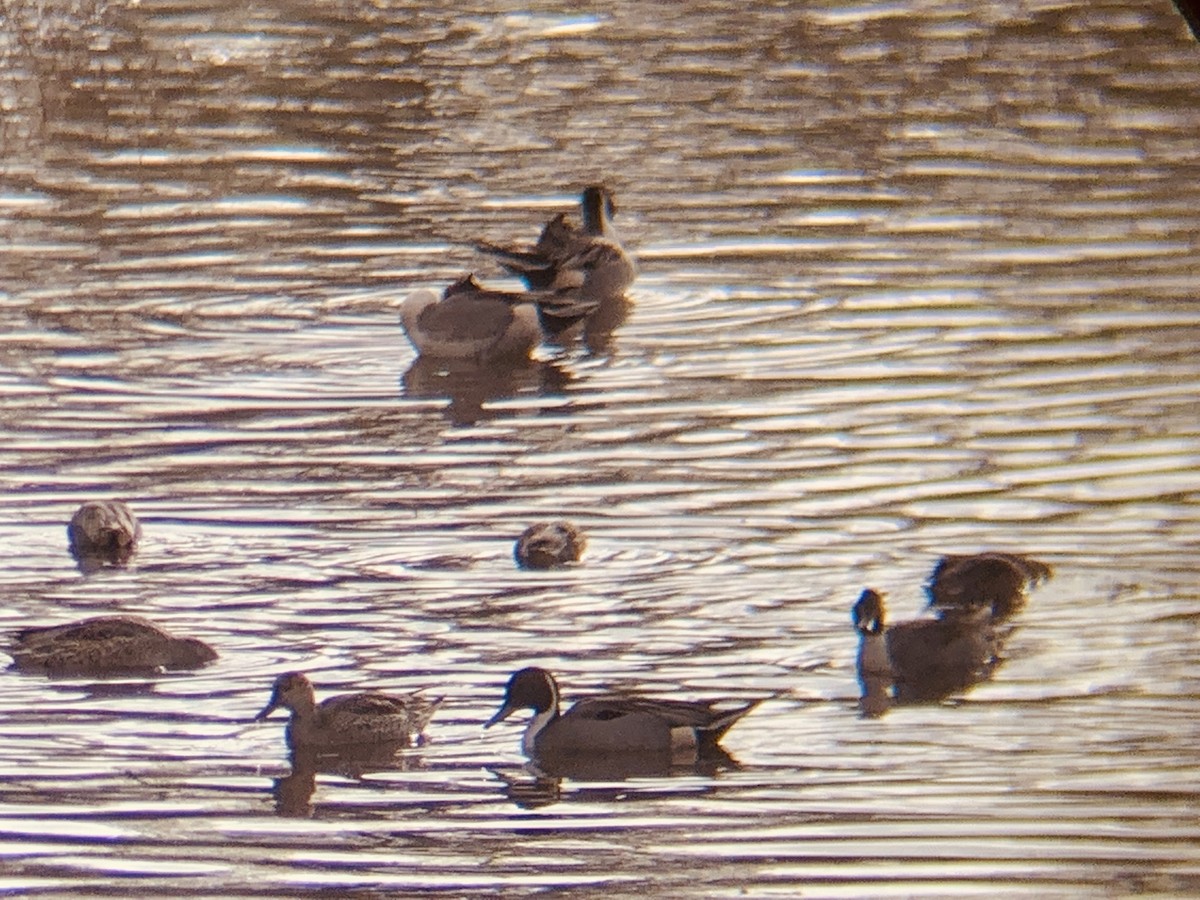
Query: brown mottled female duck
x,y
349,720
613,724
995,581
548,545
106,645
103,532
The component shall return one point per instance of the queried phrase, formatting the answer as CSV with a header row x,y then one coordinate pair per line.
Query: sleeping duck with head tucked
x,y
106,645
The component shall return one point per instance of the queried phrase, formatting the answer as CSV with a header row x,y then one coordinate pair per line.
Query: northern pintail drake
x,y
922,659
106,645
348,720
614,724
561,248
471,323
995,581
103,532
548,545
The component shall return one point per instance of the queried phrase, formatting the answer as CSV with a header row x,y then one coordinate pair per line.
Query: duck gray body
x,y
614,724
348,720
106,644
103,532
561,249
995,581
922,659
471,323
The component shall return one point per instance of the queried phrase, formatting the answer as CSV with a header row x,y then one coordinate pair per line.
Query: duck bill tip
x,y
503,713
266,711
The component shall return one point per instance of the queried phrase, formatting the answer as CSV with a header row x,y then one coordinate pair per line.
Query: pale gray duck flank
x,y
106,645
614,724
473,324
348,720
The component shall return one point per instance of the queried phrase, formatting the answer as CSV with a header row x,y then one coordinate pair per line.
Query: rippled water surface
x,y
916,278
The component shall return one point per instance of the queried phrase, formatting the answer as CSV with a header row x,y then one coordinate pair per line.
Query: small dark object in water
x,y
548,545
103,532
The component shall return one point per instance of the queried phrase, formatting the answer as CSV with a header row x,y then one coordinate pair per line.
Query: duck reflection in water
x,y
294,792
603,778
350,734
616,735
471,389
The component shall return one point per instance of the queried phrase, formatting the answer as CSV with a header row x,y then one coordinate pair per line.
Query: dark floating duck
x,y
348,721
549,545
614,725
921,659
103,532
106,645
995,581
974,597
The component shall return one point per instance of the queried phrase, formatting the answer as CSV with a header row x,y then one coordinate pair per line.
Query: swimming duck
x,y
103,532
613,724
547,545
994,580
471,323
922,659
106,645
561,248
348,720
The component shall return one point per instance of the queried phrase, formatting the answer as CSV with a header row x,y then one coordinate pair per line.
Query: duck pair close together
x,y
680,731
570,273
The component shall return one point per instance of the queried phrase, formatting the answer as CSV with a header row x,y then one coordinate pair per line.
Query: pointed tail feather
x,y
712,733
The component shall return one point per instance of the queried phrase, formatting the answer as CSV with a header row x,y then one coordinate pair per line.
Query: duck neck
x,y
873,660
543,717
303,706
540,721
595,213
